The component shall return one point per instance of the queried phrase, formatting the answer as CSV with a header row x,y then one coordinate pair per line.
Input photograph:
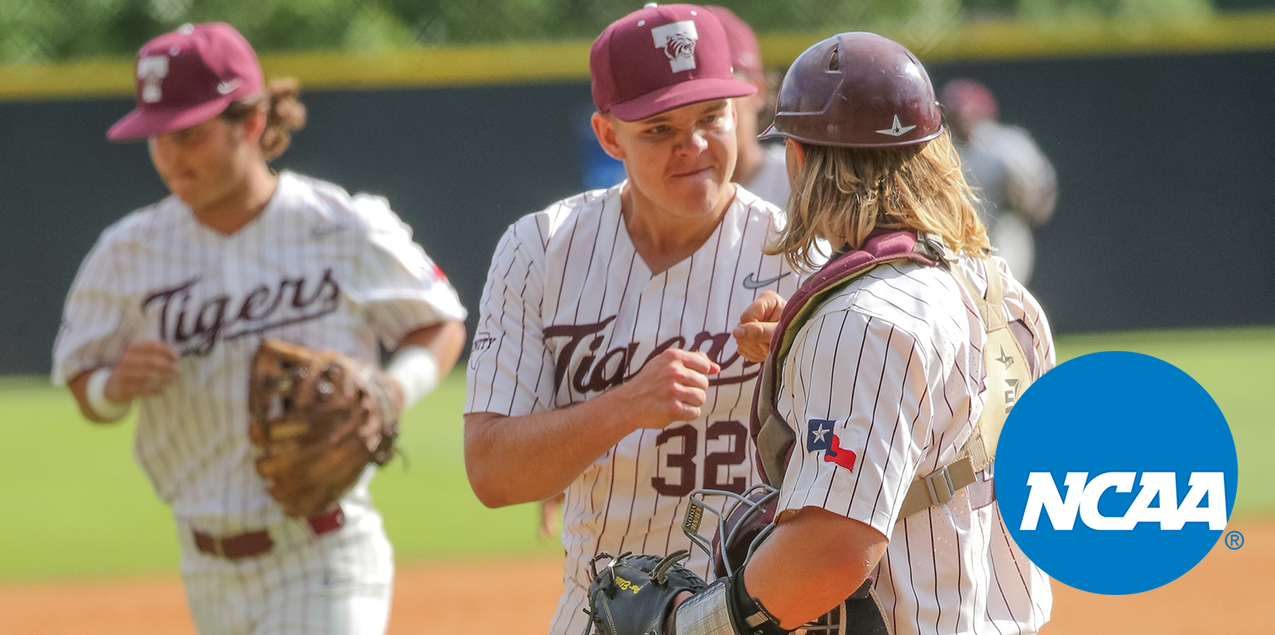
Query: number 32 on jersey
x,y
678,474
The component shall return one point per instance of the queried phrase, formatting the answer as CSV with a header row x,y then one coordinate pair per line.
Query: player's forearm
x,y
422,360
512,460
445,340
810,564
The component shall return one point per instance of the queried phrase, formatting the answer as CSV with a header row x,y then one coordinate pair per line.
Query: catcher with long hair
x,y
884,387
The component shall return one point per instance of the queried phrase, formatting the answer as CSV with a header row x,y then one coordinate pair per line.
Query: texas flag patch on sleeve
x,y
820,435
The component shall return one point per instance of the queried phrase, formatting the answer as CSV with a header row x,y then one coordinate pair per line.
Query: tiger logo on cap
x,y
677,39
152,70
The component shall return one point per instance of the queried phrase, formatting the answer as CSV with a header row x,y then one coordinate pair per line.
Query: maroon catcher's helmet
x,y
857,90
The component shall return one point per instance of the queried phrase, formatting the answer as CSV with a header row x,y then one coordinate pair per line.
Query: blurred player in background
x,y
760,169
603,363
1016,184
168,309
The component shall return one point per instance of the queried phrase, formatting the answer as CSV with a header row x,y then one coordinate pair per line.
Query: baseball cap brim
x,y
152,122
681,94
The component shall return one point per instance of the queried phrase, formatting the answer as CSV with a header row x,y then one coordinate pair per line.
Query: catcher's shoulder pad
x,y
773,437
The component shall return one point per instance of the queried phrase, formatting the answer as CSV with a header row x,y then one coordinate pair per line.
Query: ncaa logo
x,y
1116,473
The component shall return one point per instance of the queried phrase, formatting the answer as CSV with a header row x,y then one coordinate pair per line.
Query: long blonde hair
x,y
843,194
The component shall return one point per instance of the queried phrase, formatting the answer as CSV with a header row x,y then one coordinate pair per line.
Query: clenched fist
x,y
757,326
669,388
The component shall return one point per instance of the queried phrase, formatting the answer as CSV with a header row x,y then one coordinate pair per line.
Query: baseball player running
x,y
603,363
171,303
877,416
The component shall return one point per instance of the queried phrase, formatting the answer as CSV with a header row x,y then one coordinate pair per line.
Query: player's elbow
x,y
490,490
485,487
489,495
483,465
847,550
843,572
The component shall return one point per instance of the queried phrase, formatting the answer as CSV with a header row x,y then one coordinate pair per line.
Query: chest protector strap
x,y
1007,372
1007,376
773,438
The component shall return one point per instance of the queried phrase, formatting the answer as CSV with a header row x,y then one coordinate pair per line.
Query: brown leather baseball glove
x,y
318,418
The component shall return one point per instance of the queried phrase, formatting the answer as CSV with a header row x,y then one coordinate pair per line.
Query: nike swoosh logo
x,y
226,88
324,232
752,283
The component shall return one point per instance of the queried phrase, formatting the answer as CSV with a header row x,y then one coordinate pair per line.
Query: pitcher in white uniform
x,y
169,306
603,363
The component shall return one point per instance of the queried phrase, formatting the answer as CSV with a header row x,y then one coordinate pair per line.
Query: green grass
x,y
430,511
75,504
1237,368
74,500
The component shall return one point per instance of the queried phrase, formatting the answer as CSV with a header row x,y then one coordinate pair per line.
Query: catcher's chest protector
x,y
1008,374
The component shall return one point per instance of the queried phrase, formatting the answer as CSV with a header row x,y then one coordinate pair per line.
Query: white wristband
x,y
416,370
95,394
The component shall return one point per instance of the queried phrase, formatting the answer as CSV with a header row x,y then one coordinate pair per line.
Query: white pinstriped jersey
x,y
570,309
889,374
318,267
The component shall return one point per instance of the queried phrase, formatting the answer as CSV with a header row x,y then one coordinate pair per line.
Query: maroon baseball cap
x,y
970,98
187,77
660,58
745,53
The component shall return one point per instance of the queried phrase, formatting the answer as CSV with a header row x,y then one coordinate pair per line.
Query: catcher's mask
x,y
743,524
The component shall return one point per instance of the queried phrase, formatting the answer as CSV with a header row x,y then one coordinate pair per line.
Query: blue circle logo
x,y
1116,473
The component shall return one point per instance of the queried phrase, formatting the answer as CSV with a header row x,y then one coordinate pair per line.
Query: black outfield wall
x,y
1166,166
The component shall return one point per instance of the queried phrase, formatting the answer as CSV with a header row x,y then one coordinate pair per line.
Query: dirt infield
x,y
1227,593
